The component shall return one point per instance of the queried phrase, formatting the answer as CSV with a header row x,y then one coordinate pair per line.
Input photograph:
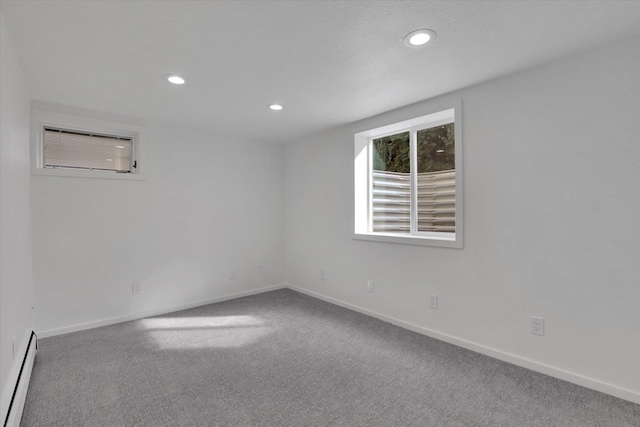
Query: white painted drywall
x,y
16,284
209,205
552,208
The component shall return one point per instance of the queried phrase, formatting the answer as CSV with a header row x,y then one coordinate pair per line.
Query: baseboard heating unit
x,y
16,405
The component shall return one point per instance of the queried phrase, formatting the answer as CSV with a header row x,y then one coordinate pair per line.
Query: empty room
x,y
320,213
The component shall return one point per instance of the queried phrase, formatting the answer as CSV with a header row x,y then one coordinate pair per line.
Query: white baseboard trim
x,y
13,405
488,351
149,313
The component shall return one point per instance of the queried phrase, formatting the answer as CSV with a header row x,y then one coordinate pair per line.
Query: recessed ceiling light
x,y
119,146
275,107
109,160
175,79
419,38
440,151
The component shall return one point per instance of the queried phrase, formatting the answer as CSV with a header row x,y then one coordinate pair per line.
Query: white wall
x,y
209,205
16,284
552,202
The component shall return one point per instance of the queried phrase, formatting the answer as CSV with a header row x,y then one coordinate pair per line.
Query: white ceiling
x,y
328,62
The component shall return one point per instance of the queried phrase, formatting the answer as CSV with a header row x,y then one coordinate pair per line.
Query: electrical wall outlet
x,y
433,302
135,288
259,269
370,286
233,275
537,325
321,275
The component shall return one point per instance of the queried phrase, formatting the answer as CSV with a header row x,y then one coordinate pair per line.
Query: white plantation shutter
x,y
392,202
78,150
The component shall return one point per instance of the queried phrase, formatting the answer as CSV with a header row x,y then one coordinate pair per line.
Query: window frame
x,y
41,119
363,176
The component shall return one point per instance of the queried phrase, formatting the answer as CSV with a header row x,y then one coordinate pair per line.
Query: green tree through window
x,y
435,147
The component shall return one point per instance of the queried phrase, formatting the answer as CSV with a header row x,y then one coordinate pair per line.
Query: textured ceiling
x,y
328,62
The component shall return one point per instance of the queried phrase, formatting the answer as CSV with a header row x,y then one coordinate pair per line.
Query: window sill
x,y
88,174
410,240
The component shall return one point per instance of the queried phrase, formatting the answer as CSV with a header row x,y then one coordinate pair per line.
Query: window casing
x,y
408,181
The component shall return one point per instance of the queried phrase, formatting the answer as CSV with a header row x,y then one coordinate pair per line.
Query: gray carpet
x,y
285,359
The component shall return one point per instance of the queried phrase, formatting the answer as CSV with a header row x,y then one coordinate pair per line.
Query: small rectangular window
x,y
77,146
408,181
70,149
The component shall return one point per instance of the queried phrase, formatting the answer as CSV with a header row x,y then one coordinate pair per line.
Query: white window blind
x,y
392,201
436,198
71,149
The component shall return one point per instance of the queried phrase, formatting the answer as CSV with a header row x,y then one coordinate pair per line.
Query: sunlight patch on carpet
x,y
205,332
